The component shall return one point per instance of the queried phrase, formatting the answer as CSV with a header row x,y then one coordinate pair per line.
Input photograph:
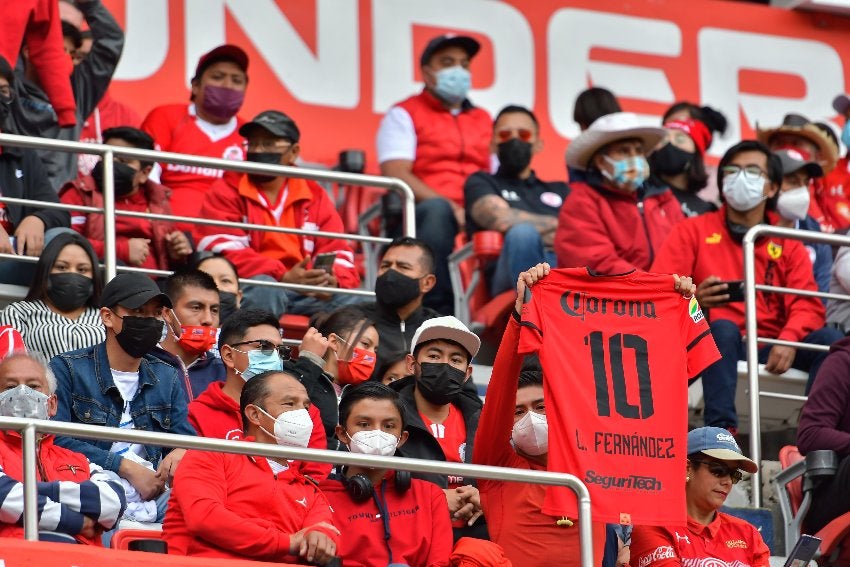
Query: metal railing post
x,y
109,257
30,483
409,207
752,357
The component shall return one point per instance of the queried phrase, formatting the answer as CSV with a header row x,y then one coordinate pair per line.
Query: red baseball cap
x,y
224,52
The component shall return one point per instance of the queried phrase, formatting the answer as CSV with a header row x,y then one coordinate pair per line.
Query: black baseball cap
x,y
131,291
792,161
224,52
275,123
468,44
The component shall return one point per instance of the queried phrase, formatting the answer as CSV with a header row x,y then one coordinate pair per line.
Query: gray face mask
x,y
23,401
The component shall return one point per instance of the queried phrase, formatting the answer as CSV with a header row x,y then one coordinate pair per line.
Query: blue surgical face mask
x,y
453,84
259,363
621,177
845,134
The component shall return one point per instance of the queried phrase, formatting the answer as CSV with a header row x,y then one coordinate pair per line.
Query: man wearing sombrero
x,y
611,222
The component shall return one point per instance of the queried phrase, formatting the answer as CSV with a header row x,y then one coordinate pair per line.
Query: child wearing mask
x,y
387,517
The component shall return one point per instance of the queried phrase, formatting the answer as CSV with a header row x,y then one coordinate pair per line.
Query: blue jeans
x,y
436,226
522,249
720,380
281,301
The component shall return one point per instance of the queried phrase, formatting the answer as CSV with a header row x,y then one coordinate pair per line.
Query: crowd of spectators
x,y
199,354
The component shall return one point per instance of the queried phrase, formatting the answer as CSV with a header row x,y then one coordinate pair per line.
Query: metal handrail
x,y
108,152
752,339
30,427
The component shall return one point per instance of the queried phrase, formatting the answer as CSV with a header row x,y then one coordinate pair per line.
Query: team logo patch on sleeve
x,y
694,310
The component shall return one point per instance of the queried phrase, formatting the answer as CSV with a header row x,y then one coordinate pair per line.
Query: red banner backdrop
x,y
337,65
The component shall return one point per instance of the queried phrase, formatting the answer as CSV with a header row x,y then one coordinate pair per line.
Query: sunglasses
x,y
720,470
267,348
507,134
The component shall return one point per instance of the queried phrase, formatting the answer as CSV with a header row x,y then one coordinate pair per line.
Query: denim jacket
x,y
87,394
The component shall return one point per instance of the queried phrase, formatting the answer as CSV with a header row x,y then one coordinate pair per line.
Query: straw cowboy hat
x,y
608,129
798,125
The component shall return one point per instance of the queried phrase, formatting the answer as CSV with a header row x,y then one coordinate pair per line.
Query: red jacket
x,y
230,200
36,23
215,414
513,510
109,113
702,246
420,530
234,506
55,463
449,147
832,198
151,198
612,232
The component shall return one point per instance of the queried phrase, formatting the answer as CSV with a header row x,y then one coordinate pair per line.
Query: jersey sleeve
x,y
652,546
701,351
531,334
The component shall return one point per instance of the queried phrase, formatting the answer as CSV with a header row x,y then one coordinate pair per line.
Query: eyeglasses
x,y
267,348
508,133
750,171
720,470
266,145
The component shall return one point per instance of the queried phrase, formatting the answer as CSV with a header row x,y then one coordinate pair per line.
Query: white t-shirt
x,y
128,384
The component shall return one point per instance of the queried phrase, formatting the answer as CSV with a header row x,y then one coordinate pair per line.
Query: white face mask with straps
x,y
531,434
373,442
291,428
743,192
793,204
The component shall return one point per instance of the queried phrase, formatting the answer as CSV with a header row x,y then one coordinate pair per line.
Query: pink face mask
x,y
221,102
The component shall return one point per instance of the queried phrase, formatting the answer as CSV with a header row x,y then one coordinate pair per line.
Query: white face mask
x,y
793,204
742,192
23,401
373,442
291,428
531,434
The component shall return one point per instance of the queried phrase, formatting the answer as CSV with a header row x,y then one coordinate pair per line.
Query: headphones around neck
x,y
360,488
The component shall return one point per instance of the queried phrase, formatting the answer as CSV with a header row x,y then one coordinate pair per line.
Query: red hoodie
x,y
513,510
420,530
215,414
234,506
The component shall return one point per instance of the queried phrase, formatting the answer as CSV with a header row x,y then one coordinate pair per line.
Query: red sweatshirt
x,y
36,24
513,510
304,205
702,246
420,530
215,414
234,506
612,232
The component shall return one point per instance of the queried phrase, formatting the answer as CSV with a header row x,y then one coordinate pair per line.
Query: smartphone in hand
x,y
735,290
325,262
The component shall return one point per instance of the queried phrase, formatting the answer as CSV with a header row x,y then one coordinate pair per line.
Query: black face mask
x,y
514,156
670,160
5,108
227,305
269,158
69,291
440,383
394,289
139,335
122,174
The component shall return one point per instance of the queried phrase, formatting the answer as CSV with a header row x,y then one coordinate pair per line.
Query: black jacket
x,y
22,176
322,394
396,335
33,115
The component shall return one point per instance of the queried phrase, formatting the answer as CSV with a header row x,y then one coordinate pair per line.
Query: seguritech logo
x,y
631,482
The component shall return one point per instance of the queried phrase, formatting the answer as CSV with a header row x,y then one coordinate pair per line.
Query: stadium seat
x,y
483,314
294,326
123,538
795,483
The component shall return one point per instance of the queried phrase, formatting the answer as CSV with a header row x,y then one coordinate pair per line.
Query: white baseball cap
x,y
447,328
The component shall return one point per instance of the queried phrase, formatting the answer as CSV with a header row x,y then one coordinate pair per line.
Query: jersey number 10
x,y
617,343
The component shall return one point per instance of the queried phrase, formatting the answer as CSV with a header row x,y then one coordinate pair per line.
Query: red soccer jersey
x,y
176,129
726,542
451,435
617,352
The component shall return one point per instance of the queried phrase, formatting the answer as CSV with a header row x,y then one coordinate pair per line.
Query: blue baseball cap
x,y
719,443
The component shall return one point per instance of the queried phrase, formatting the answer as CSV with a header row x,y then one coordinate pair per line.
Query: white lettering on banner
x,y
571,36
330,77
146,39
505,26
723,54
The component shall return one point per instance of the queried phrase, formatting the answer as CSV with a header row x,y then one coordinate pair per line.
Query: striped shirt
x,y
49,332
